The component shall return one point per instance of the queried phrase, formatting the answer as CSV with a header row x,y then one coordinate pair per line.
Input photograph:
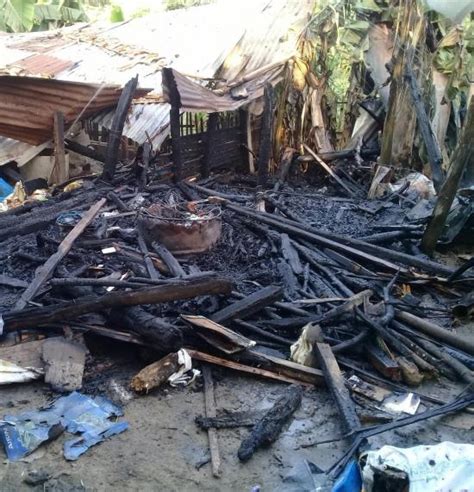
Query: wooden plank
x,y
210,404
337,386
212,359
64,364
249,305
219,336
45,271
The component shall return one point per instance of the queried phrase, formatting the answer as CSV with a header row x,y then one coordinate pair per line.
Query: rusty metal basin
x,y
190,233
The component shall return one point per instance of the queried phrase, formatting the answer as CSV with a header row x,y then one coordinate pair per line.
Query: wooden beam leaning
x,y
250,304
171,90
336,384
115,135
328,170
45,271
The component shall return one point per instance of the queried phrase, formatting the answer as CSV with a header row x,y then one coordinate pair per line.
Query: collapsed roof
x,y
238,51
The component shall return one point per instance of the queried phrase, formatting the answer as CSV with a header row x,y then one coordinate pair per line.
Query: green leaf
x,y
46,12
71,15
18,15
367,5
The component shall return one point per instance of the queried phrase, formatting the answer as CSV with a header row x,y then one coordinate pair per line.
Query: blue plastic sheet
x,y
75,413
5,189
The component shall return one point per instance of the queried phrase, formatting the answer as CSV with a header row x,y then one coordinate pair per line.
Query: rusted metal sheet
x,y
39,66
27,105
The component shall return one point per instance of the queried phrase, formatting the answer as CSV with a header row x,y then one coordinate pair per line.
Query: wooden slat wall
x,y
228,149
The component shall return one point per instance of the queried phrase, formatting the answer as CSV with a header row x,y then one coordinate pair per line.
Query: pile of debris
x,y
292,285
235,236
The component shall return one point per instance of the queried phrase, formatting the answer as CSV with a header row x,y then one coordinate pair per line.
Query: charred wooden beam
x,y
249,305
265,149
115,134
175,102
168,259
15,320
439,333
267,430
337,386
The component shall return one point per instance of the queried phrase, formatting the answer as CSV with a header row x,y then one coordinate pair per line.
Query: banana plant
x,y
28,15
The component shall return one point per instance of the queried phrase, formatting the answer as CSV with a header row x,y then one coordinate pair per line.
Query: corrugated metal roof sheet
x,y
200,42
27,105
20,152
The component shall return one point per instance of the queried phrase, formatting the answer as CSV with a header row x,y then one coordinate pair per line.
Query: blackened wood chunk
x,y
269,427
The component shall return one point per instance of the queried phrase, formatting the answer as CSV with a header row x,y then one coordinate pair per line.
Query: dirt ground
x,y
165,450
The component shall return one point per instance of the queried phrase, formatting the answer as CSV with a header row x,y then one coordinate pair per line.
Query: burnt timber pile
x,y
230,250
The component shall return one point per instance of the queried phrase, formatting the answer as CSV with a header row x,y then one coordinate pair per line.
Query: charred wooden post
x,y
265,149
175,102
462,159
115,134
212,124
432,147
337,386
59,172
269,427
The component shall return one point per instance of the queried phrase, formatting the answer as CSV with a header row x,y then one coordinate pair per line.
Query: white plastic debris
x,y
445,467
420,185
11,373
406,403
185,375
108,251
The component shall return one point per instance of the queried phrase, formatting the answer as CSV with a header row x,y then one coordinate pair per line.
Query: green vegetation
x,y
28,15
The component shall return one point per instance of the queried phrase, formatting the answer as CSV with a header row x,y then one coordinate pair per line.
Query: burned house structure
x,y
196,227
